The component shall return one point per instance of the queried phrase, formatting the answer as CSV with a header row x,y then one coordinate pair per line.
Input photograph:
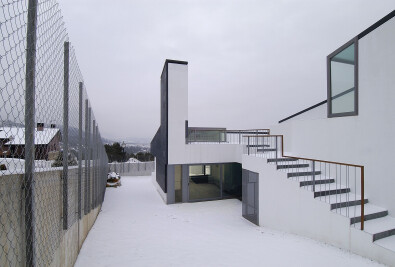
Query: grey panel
x,y
170,184
159,145
250,197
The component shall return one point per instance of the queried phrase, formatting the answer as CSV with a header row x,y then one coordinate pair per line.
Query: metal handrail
x,y
329,162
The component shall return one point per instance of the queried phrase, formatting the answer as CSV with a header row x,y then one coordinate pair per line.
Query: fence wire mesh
x,y
53,165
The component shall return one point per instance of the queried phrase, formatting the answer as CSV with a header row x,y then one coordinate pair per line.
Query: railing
x,y
336,183
221,135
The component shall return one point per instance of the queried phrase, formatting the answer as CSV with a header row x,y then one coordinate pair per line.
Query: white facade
x,y
179,152
367,139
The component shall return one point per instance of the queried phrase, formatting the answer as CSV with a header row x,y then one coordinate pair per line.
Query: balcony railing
x,y
220,135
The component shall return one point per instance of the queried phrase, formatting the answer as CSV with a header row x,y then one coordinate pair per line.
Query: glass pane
x,y
204,183
342,81
232,180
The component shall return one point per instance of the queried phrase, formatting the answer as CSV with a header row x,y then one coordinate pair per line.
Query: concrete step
x,y
328,189
379,228
281,159
289,166
266,149
306,173
354,213
388,243
259,145
317,181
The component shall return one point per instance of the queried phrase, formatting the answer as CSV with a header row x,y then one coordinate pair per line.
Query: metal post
x,y
97,167
93,163
276,151
81,86
89,159
248,145
30,102
362,197
65,132
313,165
86,157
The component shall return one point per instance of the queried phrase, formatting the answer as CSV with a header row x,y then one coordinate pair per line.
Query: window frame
x,y
329,85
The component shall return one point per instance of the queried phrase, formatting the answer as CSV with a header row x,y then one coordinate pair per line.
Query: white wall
x,y
367,139
179,152
285,206
177,109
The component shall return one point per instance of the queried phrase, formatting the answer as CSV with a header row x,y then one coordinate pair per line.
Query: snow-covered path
x,y
135,228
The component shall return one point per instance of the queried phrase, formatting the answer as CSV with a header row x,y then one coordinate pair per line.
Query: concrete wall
x,y
179,152
366,139
133,168
53,245
177,110
283,205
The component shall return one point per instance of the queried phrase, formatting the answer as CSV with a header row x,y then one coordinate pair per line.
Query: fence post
x,y
65,133
97,164
89,159
86,157
93,163
81,86
30,103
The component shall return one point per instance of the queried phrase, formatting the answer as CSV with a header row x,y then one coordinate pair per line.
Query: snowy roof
x,y
17,135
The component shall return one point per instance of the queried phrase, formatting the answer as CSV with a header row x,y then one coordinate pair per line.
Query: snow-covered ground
x,y
135,228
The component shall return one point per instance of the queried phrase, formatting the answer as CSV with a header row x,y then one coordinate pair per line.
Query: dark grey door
x,y
250,196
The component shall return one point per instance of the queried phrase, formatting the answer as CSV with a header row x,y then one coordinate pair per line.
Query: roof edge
x,y
377,24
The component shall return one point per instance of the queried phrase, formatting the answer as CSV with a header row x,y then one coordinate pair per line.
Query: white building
x,y
325,172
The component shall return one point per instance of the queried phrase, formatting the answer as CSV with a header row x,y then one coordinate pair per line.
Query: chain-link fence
x,y
53,166
133,168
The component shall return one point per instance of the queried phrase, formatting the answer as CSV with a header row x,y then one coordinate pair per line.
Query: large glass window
x,y
343,81
204,182
214,181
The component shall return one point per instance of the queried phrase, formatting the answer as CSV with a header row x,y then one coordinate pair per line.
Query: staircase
x,y
342,200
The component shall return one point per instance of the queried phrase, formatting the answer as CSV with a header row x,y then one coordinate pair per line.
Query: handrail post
x,y
313,166
248,145
362,197
276,152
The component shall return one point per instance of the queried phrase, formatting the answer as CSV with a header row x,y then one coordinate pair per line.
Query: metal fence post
x,y
93,163
97,165
65,133
30,102
81,86
86,157
89,159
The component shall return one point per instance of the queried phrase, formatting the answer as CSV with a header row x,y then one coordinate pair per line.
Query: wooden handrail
x,y
330,162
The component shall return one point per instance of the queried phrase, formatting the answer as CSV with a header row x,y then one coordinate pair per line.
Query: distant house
x,y
12,141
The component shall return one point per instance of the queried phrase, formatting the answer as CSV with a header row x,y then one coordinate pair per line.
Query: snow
x,y
17,135
135,228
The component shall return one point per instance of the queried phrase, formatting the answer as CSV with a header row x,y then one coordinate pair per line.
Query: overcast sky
x,y
251,63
